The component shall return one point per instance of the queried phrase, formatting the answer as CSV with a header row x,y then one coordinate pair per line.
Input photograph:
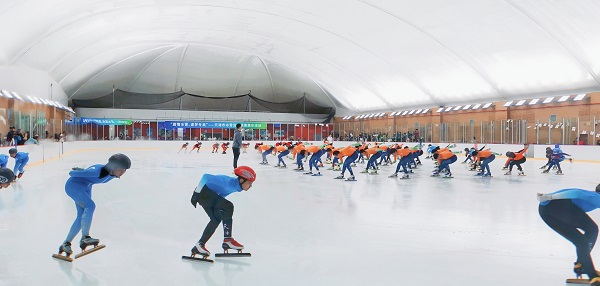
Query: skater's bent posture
x,y
21,159
565,212
79,188
6,177
210,194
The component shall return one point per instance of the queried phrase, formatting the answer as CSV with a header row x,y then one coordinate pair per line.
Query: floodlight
x,y
393,113
476,105
425,111
487,105
466,107
507,104
418,111
448,109
534,101
7,94
579,97
440,110
457,108
521,102
564,98
411,112
404,113
548,100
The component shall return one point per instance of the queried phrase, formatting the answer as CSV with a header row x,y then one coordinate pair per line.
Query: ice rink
x,y
301,230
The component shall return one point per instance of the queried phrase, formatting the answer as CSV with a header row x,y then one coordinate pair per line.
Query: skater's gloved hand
x,y
195,198
542,198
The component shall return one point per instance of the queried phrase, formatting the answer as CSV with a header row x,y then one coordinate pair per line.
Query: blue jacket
x,y
220,184
89,176
3,160
586,200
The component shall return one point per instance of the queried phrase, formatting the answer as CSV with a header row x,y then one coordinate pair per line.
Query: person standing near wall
x,y
237,144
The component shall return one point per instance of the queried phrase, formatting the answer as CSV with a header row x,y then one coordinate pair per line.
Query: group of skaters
x,y
406,157
7,175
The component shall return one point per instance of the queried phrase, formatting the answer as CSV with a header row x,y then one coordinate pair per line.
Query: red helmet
x,y
245,172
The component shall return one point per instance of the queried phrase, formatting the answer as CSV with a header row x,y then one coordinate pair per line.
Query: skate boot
x,y
545,171
308,173
487,175
554,168
578,269
66,248
364,171
504,168
353,164
199,249
87,241
448,175
374,172
351,178
507,173
394,175
20,175
521,173
283,167
316,174
230,243
435,174
405,176
339,177
479,174
543,167
559,172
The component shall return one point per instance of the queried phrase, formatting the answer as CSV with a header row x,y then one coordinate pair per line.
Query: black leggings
x,y
218,209
516,162
236,155
566,218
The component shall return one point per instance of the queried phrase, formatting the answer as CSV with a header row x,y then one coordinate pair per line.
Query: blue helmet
x,y
557,146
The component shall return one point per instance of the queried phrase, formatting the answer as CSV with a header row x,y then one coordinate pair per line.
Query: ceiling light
x,y
521,102
476,105
440,110
548,100
411,112
507,104
404,113
579,97
564,98
534,101
448,109
466,107
425,111
487,105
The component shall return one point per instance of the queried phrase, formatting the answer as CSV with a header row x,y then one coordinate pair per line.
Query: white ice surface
x,y
301,230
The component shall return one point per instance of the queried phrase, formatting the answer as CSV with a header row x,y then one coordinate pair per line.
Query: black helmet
x,y
598,188
118,161
6,175
13,151
510,154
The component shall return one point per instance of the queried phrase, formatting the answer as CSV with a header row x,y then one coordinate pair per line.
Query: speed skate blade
x,y
233,255
578,281
197,259
84,253
62,257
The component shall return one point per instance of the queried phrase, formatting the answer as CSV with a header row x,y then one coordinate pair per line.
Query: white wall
x,y
32,82
146,114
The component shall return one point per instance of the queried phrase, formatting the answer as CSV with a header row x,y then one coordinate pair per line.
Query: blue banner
x,y
104,121
204,124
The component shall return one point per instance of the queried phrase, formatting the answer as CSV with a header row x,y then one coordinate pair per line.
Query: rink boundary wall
x,y
50,150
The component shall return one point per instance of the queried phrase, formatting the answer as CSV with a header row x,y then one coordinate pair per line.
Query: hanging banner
x,y
203,124
104,121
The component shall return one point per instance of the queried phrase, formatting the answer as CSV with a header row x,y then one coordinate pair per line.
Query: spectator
x,y
18,137
416,134
33,140
10,135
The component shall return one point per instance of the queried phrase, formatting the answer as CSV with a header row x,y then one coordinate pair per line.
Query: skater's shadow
x,y
77,276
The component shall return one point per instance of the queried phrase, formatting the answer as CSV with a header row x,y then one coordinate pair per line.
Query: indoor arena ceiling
x,y
359,55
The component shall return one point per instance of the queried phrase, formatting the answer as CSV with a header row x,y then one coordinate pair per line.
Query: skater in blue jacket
x,y
565,212
21,159
79,188
6,177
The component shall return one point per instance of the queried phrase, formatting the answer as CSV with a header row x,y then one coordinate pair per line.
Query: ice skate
x,y
87,241
521,173
394,175
435,174
545,171
507,173
339,177
405,176
448,175
479,174
283,167
199,249
20,175
308,173
350,179
353,164
230,243
66,248
364,171
337,168
559,172
277,166
554,168
504,168
543,167
487,175
374,172
316,174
